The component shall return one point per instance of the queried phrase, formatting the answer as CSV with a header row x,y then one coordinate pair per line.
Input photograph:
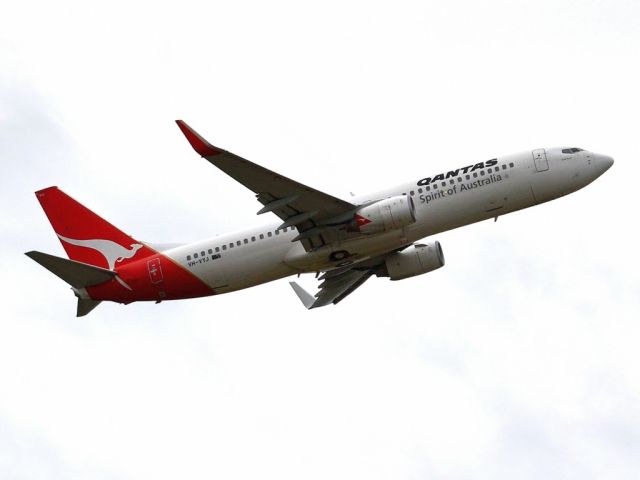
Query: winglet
x,y
199,144
306,299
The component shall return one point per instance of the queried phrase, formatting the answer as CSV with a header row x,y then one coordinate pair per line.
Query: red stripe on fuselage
x,y
156,277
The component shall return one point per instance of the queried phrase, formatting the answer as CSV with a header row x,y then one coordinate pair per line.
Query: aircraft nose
x,y
605,162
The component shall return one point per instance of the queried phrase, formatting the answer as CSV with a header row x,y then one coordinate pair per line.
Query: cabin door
x,y
540,160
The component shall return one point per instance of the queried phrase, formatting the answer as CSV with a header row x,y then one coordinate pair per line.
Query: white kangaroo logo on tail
x,y
111,251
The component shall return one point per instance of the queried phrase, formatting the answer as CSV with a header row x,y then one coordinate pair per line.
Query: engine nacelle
x,y
384,215
414,260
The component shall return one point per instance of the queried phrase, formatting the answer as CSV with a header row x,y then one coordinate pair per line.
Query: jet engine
x,y
384,215
414,260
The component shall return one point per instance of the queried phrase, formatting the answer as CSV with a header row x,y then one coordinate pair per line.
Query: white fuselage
x,y
462,196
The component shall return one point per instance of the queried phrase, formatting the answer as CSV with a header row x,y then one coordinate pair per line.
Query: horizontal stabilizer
x,y
85,305
76,274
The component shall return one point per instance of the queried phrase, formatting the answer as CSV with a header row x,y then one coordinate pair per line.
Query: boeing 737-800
x,y
343,242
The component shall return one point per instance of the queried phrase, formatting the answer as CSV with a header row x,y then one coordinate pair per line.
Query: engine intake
x,y
414,260
388,214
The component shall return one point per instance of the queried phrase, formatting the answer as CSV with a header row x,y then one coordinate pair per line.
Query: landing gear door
x,y
540,160
216,271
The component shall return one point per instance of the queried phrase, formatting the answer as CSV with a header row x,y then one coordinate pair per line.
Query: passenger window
x,y
482,173
452,181
224,247
202,253
262,236
210,251
435,185
231,245
504,166
459,179
428,188
253,239
246,241
188,257
268,234
195,255
277,232
475,174
419,190
217,249
412,193
511,165
238,243
468,177
444,184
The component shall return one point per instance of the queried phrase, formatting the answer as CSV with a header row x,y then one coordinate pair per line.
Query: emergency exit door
x,y
155,270
540,160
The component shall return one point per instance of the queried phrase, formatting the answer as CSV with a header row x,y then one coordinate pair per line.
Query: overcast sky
x,y
518,359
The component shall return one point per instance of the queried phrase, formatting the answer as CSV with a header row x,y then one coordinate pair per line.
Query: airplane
x,y
343,242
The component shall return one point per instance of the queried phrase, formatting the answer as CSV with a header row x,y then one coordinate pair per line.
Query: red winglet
x,y
198,143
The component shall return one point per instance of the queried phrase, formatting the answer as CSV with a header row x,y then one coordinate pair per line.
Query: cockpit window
x,y
572,150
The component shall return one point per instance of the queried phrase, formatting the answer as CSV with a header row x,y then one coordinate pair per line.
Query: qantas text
x,y
455,173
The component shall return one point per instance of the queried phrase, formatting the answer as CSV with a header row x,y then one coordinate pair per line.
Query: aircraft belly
x,y
353,250
250,267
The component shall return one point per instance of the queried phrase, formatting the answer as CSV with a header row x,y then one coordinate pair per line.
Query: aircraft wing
x,y
339,283
333,289
298,205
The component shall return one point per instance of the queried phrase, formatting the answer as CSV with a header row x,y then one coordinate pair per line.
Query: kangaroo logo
x,y
111,251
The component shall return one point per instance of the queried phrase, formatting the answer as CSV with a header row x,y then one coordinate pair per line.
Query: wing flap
x,y
352,287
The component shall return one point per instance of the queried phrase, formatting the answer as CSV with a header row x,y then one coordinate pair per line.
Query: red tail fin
x,y
85,236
